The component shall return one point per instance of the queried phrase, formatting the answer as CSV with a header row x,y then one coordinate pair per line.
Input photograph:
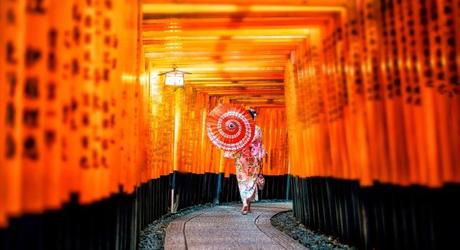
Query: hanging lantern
x,y
175,77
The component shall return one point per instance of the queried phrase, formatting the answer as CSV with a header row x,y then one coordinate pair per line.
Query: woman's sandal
x,y
245,210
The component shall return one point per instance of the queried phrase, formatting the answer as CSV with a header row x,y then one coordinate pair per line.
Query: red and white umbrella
x,y
230,127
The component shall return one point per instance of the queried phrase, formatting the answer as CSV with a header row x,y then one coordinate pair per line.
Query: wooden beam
x,y
252,2
234,23
243,10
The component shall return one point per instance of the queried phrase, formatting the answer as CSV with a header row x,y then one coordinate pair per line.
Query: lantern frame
x,y
174,78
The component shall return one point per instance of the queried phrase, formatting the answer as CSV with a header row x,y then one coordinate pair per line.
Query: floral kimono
x,y
248,164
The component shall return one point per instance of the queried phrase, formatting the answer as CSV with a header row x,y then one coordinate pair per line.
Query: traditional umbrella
x,y
230,127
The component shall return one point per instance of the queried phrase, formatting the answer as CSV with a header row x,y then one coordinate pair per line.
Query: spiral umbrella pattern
x,y
230,127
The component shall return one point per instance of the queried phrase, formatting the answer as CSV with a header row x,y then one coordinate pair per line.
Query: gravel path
x,y
153,236
223,227
288,224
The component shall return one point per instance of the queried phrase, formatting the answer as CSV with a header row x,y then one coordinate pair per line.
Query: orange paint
x,y
390,108
345,89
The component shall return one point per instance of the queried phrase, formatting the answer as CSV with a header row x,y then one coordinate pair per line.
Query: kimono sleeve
x,y
262,151
257,147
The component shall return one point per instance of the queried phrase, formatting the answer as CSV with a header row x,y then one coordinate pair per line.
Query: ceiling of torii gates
x,y
234,48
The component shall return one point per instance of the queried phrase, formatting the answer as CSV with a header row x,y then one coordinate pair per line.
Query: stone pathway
x,y
223,227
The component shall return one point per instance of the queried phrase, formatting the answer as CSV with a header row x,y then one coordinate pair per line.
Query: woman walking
x,y
248,163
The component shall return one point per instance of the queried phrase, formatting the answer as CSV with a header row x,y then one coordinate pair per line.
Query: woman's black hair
x,y
252,112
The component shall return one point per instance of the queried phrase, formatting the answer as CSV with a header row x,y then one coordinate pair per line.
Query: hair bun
x,y
253,112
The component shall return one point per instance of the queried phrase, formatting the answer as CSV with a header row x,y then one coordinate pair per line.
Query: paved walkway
x,y
223,227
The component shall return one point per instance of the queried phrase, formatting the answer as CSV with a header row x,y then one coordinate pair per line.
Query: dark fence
x,y
112,223
192,189
381,216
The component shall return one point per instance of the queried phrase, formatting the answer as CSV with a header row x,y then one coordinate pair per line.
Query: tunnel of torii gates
x,y
358,101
